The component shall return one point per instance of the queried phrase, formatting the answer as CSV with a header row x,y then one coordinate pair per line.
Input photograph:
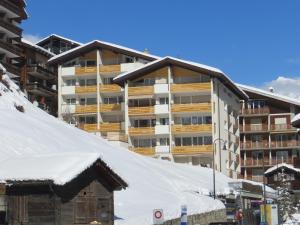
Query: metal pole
x,y
214,181
264,188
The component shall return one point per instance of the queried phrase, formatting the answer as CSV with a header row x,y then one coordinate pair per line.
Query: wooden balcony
x,y
255,145
103,127
140,131
148,151
82,109
110,88
282,128
192,150
116,136
255,128
191,87
285,144
194,107
86,89
195,128
138,111
249,162
256,111
110,107
142,90
86,70
110,69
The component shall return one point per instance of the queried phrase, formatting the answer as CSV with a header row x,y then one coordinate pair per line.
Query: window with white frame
x,y
193,141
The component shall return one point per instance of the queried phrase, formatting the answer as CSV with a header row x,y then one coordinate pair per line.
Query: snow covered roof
x,y
47,148
282,166
38,48
98,44
269,94
40,42
182,63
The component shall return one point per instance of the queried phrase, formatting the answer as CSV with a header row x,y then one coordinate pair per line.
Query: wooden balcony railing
x,y
140,131
110,69
110,88
86,89
268,162
148,151
263,110
194,128
194,107
255,128
135,111
116,136
191,87
103,127
255,145
86,70
142,90
282,127
86,109
283,144
110,107
187,150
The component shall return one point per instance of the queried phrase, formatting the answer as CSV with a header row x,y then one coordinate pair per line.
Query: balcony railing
x,y
193,107
86,89
10,6
255,145
39,71
285,144
140,131
93,108
254,128
267,161
110,88
11,68
263,110
145,110
40,89
282,127
85,70
103,127
148,151
110,107
143,90
194,128
190,87
11,27
10,47
188,150
110,69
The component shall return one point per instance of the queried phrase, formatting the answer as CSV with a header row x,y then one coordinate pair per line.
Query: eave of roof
x,y
269,94
38,48
184,64
96,44
59,37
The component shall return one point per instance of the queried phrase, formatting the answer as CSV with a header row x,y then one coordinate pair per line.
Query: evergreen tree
x,y
285,199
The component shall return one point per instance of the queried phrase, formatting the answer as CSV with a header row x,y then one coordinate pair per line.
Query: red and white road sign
x,y
158,216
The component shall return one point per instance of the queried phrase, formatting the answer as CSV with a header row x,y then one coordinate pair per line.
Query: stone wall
x,y
202,219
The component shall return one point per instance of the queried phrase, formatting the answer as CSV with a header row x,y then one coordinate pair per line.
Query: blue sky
x,y
254,42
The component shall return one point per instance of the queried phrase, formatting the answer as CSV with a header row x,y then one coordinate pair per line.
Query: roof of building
x,y
95,45
269,94
37,48
281,166
40,42
181,63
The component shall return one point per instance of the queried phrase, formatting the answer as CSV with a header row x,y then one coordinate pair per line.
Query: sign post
x,y
158,216
183,220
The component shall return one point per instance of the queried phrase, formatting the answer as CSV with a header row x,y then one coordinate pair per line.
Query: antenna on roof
x,y
146,50
271,89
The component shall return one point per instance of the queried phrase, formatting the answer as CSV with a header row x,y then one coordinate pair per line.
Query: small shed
x,y
59,189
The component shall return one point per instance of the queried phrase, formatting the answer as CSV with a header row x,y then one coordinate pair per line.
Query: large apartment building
x,y
12,12
267,136
171,115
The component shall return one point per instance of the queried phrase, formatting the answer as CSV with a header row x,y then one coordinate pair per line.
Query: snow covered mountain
x,y
35,145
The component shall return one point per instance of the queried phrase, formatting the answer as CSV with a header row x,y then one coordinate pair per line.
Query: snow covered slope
x,y
35,145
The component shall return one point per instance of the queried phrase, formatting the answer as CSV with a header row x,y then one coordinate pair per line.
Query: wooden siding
x,y
197,128
149,151
139,131
133,111
85,109
186,150
110,69
110,107
86,89
163,72
191,87
110,88
143,90
195,107
85,70
104,127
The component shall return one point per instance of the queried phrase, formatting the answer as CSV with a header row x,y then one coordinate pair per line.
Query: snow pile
x,y
37,146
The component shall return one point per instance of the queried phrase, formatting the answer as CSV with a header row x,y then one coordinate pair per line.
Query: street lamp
x,y
214,172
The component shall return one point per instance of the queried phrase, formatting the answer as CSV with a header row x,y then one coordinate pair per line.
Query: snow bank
x,y
35,145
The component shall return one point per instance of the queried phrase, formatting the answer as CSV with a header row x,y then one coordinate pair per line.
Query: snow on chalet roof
x,y
269,94
103,44
37,146
284,166
59,37
39,48
216,72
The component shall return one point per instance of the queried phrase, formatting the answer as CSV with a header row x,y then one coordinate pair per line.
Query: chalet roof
x,y
40,42
280,166
269,94
37,48
96,44
168,60
56,168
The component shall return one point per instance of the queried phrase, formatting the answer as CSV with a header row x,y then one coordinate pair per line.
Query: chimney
x,y
271,89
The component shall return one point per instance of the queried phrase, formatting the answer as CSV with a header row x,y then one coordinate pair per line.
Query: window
x,y
164,101
108,80
207,140
164,121
186,120
113,100
178,141
164,141
186,141
90,82
144,143
207,120
70,82
128,59
91,101
91,63
71,101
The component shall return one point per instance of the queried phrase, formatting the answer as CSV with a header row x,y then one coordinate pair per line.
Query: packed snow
x,y
37,146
